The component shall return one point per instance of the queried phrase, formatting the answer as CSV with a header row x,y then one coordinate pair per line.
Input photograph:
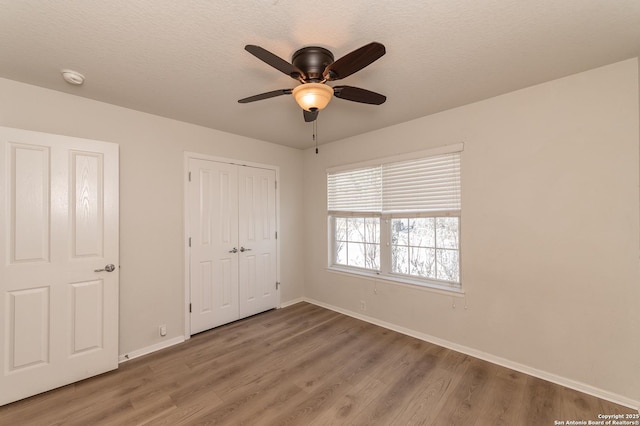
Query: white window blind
x,y
429,184
355,190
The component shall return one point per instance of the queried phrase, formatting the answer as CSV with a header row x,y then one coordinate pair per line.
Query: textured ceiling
x,y
185,59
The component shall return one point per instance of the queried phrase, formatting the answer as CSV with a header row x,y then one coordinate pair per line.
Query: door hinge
x,y
276,182
189,307
189,176
189,241
276,235
277,285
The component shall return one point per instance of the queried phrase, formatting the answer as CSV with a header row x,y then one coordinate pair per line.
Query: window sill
x,y
413,284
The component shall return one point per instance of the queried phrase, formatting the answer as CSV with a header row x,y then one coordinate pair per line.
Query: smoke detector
x,y
72,77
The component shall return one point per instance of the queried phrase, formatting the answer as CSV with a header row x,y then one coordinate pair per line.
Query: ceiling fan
x,y
314,66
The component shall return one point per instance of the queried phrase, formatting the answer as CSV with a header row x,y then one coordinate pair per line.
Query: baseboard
x,y
292,302
150,349
550,377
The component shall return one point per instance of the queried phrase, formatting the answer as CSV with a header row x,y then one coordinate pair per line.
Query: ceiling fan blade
x,y
266,95
354,61
357,94
275,61
310,116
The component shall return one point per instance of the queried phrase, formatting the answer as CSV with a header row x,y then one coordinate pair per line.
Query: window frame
x,y
385,273
416,278
385,251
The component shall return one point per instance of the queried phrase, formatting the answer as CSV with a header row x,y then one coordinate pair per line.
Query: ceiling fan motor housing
x,y
312,60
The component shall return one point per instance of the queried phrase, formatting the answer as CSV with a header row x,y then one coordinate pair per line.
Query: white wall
x,y
550,229
151,197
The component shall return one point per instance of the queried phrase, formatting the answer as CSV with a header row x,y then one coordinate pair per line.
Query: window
x,y
357,242
399,218
426,247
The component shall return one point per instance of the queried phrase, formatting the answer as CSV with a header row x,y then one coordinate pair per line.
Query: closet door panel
x,y
257,238
213,224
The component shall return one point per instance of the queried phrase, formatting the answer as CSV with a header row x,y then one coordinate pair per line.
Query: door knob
x,y
109,268
235,250
242,249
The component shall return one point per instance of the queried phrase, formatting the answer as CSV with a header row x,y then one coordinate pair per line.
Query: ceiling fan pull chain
x,y
315,133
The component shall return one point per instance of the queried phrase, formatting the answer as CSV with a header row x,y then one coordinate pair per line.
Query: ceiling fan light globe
x,y
313,96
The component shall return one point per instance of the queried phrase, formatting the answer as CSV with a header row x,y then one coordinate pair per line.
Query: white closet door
x,y
257,236
213,224
58,231
232,227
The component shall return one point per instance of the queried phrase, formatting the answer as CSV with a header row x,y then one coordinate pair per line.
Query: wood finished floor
x,y
306,365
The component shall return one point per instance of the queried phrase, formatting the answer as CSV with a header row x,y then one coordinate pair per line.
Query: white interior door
x,y
257,236
232,231
58,225
213,219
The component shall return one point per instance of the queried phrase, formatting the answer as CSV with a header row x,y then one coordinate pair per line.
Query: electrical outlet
x,y
363,305
163,330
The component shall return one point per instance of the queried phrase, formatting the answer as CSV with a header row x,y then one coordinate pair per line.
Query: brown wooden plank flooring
x,y
306,365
